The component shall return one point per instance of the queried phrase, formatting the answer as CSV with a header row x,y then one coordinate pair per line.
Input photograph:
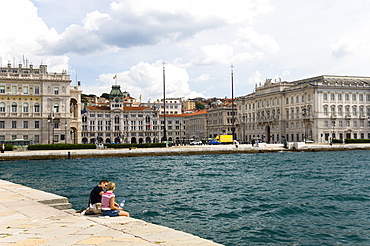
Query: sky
x,y
204,46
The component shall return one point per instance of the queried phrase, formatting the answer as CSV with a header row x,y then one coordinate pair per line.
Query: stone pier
x,y
175,150
32,217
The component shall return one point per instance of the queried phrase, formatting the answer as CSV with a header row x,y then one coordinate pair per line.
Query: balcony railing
x,y
267,118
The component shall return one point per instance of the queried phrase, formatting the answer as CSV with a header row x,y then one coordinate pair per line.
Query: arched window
x,y
56,108
2,107
14,107
37,108
25,107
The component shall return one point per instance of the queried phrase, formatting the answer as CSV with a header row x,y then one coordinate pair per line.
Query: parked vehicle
x,y
196,143
224,139
214,142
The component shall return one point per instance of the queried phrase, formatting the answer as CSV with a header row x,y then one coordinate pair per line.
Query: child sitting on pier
x,y
108,206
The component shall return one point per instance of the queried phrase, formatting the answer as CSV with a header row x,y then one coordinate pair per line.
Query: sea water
x,y
300,198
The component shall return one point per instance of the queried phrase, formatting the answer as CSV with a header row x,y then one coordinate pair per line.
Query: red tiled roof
x,y
173,115
98,108
203,111
135,108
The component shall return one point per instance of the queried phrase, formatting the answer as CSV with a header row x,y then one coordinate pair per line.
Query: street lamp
x,y
304,114
164,138
52,124
232,101
50,121
333,125
49,130
65,136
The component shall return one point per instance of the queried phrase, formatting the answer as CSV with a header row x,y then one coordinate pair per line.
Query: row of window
x,y
127,122
117,118
25,89
298,137
118,128
276,101
347,110
339,97
347,123
25,108
275,114
26,124
100,115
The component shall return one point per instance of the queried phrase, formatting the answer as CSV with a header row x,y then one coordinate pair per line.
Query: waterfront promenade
x,y
176,150
31,217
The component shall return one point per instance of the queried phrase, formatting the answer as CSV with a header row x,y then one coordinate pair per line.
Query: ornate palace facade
x,y
317,109
39,106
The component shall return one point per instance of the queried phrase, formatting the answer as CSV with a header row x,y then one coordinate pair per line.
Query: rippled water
x,y
316,198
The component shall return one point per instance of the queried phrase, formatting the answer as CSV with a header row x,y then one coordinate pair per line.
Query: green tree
x,y
199,106
105,95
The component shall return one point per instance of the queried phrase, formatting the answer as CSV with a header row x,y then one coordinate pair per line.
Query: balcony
x,y
264,119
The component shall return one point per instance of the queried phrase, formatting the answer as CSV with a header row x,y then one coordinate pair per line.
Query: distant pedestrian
x,y
253,142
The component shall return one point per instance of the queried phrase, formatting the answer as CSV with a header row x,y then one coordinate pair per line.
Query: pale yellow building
x,y
39,106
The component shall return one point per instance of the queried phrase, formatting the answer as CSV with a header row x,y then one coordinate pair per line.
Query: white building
x,y
120,122
318,108
173,105
39,106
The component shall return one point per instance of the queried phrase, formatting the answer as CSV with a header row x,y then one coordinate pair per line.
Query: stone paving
x,y
30,217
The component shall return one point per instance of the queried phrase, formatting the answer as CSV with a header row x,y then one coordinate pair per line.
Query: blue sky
x,y
198,40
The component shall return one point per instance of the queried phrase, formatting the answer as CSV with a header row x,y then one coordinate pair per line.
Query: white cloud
x,y
147,80
94,20
232,11
247,46
212,54
255,79
347,45
22,34
203,77
250,39
75,39
142,22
